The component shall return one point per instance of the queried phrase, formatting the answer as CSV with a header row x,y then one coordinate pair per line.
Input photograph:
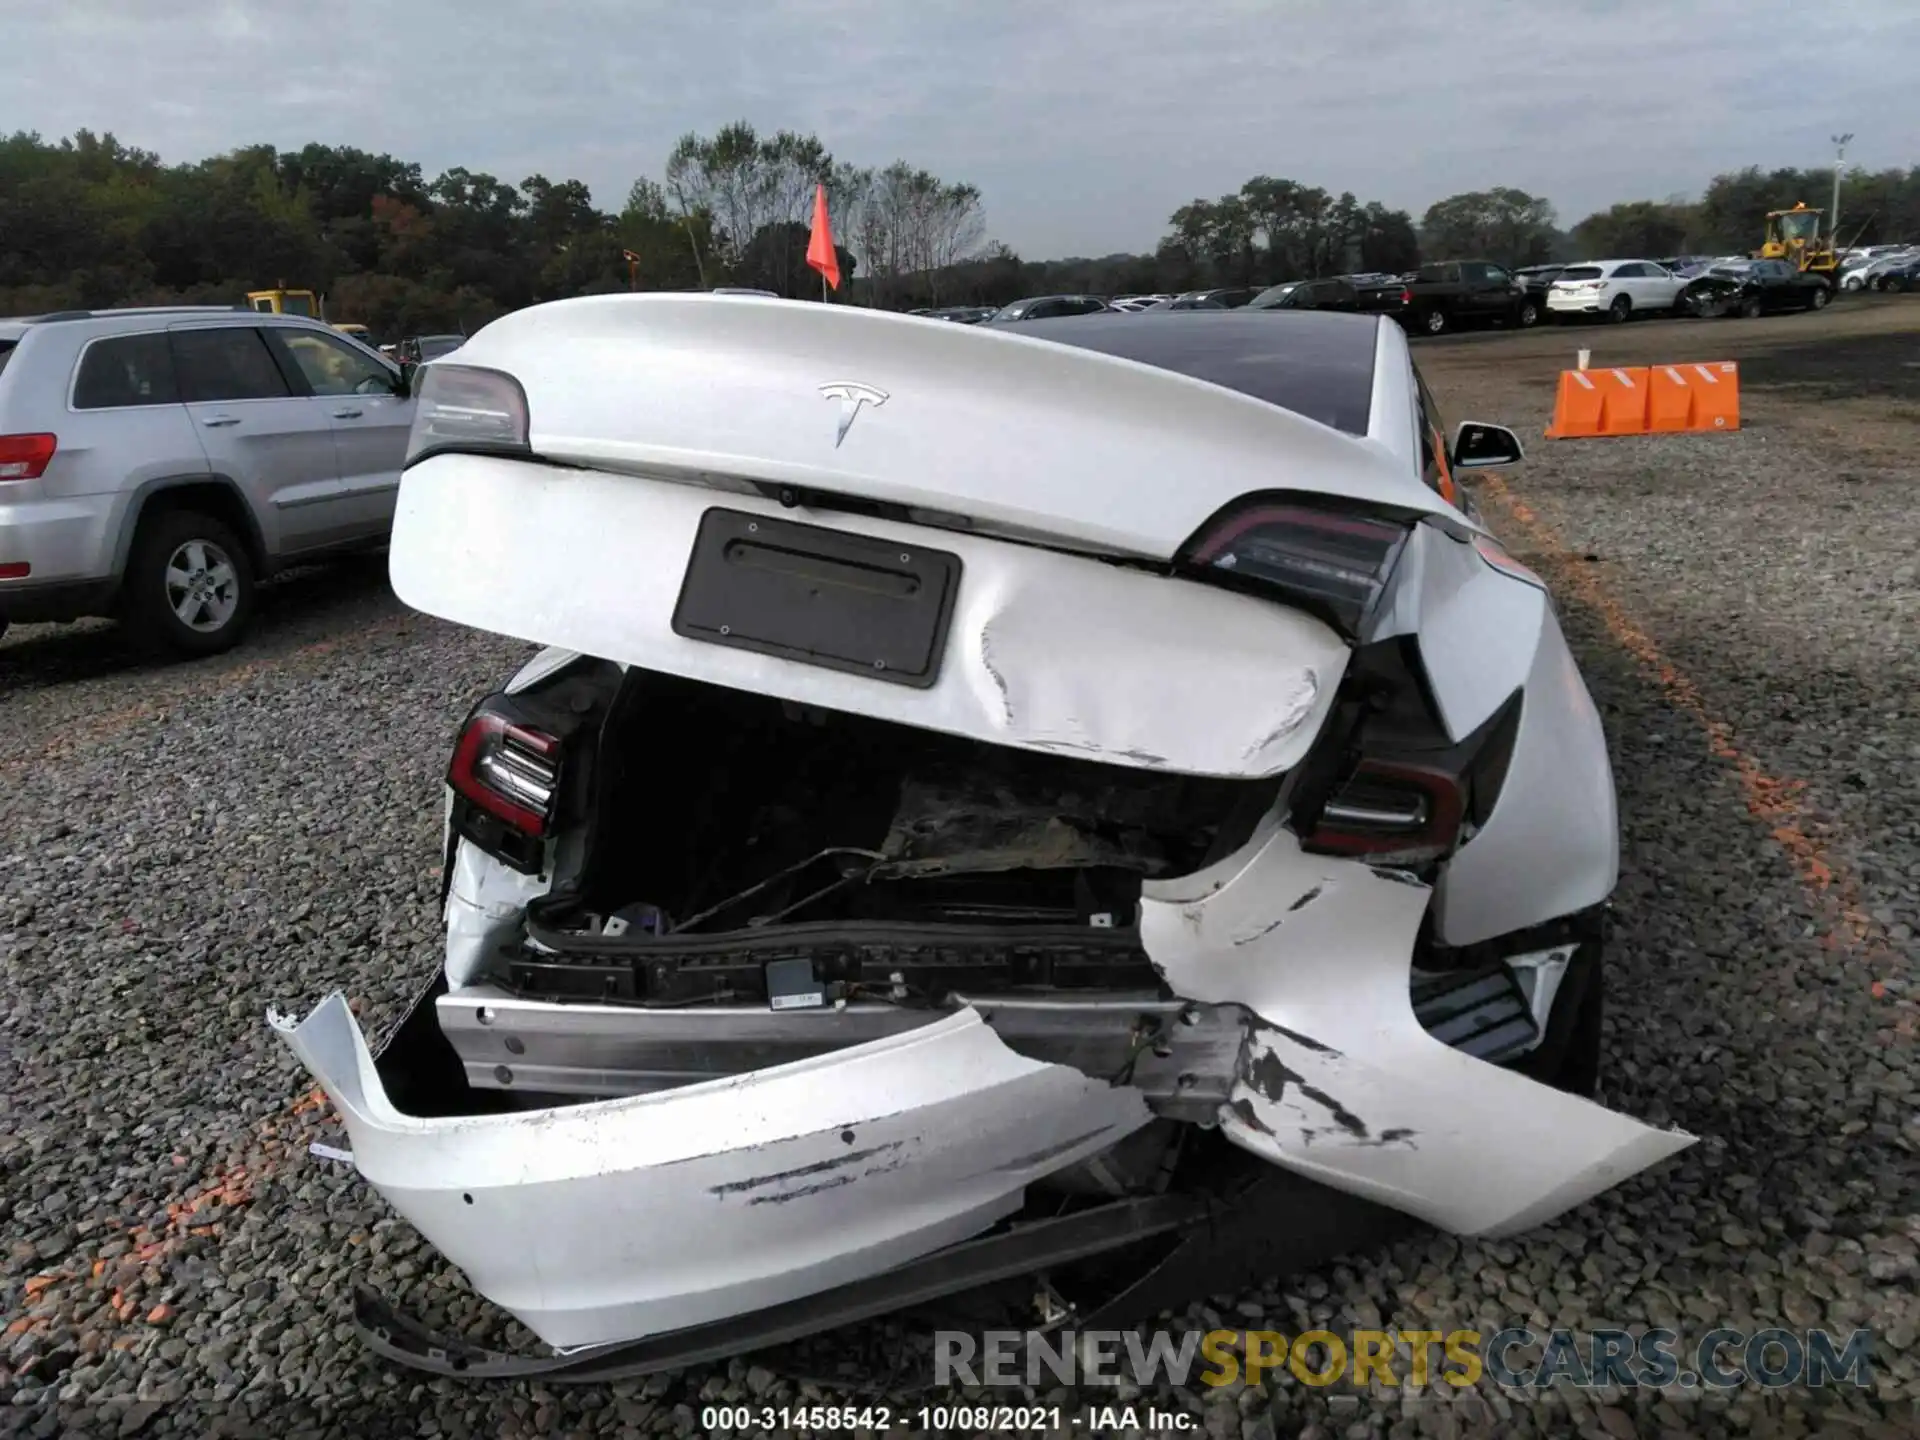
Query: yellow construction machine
x,y
283,301
1800,235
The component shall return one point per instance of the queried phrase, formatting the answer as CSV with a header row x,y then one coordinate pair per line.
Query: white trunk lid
x,y
1036,648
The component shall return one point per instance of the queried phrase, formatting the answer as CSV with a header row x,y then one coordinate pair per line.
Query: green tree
x,y
1507,226
1635,228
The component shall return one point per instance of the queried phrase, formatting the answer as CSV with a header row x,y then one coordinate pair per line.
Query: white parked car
x,y
1617,289
993,799
1869,271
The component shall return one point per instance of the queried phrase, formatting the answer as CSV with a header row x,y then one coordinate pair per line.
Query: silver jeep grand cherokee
x,y
154,463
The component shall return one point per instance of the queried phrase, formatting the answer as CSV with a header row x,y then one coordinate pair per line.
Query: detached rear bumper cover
x,y
623,1218
616,1219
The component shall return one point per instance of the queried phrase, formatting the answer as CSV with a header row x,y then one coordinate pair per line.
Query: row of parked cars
x,y
1454,294
1881,267
1618,290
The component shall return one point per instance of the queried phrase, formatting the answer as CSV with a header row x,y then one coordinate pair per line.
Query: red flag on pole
x,y
820,252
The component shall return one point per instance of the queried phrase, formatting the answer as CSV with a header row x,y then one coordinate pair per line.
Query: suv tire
x,y
188,589
1434,322
1621,310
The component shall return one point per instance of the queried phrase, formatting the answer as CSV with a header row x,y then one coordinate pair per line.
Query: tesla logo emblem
x,y
851,395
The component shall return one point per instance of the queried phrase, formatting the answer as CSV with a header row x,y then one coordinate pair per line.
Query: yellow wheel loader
x,y
1800,235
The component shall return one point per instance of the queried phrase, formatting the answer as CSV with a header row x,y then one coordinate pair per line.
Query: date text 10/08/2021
x,y
963,1419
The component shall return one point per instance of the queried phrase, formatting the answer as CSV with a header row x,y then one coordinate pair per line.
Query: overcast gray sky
x,y
1083,122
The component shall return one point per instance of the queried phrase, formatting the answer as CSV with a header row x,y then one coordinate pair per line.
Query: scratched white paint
x,y
1343,1084
628,1217
484,902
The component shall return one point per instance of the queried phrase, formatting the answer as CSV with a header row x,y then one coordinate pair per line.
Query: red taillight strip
x,y
464,773
26,457
1447,806
1320,520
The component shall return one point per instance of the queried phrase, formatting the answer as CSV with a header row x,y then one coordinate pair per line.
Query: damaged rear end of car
x,y
1021,812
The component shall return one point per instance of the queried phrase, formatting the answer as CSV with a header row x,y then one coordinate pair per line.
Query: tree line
x,y
89,221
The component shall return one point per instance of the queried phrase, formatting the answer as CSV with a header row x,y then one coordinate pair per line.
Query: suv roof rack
x,y
113,310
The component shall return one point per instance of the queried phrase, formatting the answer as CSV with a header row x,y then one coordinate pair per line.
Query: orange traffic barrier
x,y
1600,402
1694,397
1656,399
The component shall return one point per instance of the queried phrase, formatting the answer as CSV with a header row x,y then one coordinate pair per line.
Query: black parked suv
x,y
1457,293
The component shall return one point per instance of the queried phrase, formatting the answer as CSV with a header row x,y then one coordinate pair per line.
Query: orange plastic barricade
x,y
1694,397
1600,402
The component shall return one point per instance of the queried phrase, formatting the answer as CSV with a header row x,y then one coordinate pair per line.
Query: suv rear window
x,y
1580,272
6,349
125,370
229,363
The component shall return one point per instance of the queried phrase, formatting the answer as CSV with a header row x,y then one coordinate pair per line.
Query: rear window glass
x,y
1581,272
1315,363
230,363
125,370
6,349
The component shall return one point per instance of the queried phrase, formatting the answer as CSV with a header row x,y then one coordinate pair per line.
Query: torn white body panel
x,y
1341,1083
485,901
1551,846
628,1217
1478,629
1046,651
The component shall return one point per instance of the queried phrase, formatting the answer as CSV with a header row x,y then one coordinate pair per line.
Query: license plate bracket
x,y
818,596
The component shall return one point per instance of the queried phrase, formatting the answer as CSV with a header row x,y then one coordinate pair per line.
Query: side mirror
x,y
403,383
1479,446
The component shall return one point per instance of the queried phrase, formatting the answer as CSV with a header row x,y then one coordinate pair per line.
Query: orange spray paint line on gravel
x,y
1770,799
120,1283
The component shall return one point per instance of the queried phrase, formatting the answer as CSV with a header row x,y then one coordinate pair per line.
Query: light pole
x,y
1839,161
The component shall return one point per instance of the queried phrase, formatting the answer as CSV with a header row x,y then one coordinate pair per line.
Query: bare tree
x,y
957,227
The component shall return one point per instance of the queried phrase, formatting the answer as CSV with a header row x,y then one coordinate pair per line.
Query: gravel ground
x,y
181,848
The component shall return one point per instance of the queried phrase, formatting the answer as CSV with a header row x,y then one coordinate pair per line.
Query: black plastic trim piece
x,y
932,959
820,596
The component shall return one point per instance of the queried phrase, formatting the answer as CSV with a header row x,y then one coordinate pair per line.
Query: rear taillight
x,y
1406,297
509,777
464,407
26,457
1387,808
1332,562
